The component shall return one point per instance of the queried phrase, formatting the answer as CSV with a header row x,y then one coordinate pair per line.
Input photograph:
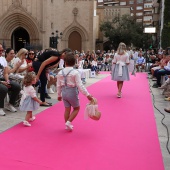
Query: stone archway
x,y
15,20
75,27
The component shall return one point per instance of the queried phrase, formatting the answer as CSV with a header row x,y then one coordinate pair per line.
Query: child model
x,y
29,101
68,84
120,72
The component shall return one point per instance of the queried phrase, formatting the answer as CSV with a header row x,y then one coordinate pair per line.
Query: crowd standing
x,y
46,64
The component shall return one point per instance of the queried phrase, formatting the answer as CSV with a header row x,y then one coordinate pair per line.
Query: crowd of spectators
x,y
156,62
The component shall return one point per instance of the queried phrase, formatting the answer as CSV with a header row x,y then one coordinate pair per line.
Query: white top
x,y
3,61
17,60
167,67
27,91
94,63
80,63
123,58
73,80
30,91
3,64
61,63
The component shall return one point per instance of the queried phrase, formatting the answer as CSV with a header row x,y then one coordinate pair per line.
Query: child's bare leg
x,y
74,114
67,113
28,115
27,118
120,86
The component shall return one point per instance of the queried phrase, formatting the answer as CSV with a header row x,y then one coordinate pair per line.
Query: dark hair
x,y
7,51
29,78
29,55
66,50
69,59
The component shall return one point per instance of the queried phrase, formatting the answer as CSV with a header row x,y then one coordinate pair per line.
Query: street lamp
x,y
54,39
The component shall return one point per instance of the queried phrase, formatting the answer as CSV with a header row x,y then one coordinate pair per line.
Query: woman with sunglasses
x,y
21,58
46,60
30,58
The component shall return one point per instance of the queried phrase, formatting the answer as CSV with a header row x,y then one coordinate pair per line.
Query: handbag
x,y
91,110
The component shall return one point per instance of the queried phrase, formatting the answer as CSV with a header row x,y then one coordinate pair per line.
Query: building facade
x,y
106,11
148,12
142,10
30,23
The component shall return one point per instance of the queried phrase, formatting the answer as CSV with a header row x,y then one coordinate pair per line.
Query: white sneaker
x,y
18,76
10,108
2,113
11,75
68,128
50,91
69,125
32,119
26,123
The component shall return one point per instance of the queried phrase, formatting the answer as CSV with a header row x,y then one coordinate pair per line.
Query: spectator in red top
x,y
30,59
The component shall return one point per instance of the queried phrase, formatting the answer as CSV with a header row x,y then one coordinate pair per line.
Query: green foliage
x,y
165,38
124,29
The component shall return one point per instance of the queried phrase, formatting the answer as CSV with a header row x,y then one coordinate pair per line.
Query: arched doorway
x,y
75,41
20,38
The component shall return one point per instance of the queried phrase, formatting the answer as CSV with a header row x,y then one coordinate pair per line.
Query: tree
x,y
125,29
165,38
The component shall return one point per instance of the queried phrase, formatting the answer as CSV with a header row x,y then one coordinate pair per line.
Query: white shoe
x,y
26,123
18,76
2,113
10,108
50,91
69,125
68,128
164,86
32,119
11,75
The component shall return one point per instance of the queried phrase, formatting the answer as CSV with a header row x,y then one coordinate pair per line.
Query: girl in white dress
x,y
29,101
120,71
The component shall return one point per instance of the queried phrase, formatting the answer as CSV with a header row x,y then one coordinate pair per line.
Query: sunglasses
x,y
26,54
1,50
31,53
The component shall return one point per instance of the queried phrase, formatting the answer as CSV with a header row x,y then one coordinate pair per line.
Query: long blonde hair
x,y
21,51
121,48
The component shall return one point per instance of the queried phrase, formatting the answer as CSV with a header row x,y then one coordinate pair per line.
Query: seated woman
x,y
9,56
160,65
7,86
94,66
161,72
87,62
21,59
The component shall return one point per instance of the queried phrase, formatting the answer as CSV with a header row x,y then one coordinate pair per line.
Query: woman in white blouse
x,y
21,58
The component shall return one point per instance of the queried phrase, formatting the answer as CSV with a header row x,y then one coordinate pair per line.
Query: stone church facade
x,y
30,23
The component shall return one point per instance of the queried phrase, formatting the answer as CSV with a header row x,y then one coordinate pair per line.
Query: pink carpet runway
x,y
125,138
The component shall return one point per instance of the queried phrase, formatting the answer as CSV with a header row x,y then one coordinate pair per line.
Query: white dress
x,y
27,103
120,71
